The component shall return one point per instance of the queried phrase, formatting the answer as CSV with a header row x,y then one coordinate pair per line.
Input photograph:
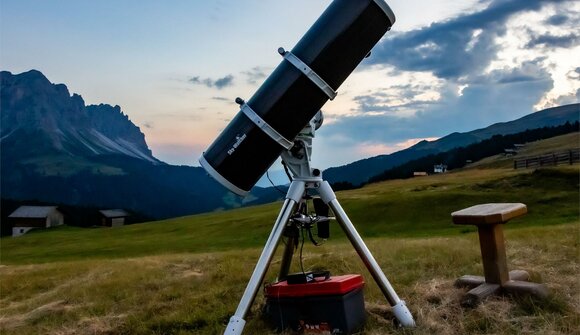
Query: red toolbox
x,y
331,306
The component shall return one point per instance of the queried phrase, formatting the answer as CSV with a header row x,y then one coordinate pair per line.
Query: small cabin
x,y
113,217
26,218
419,174
439,168
510,152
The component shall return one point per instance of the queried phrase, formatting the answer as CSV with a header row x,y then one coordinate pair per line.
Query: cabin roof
x,y
114,213
32,211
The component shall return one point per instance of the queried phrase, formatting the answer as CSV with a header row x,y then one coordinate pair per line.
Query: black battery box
x,y
333,305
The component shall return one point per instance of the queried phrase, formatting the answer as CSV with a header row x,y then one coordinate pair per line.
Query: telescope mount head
x,y
297,158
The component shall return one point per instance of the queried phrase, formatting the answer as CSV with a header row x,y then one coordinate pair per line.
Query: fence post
x,y
570,156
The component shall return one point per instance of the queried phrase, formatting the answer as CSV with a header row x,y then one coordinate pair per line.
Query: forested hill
x,y
459,157
359,172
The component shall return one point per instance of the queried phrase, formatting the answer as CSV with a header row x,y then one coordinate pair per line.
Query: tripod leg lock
x,y
326,193
403,315
235,326
296,191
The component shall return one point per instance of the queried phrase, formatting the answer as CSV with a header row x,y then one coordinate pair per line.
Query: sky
x,y
175,67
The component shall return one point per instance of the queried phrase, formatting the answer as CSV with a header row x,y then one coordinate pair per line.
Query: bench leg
x,y
526,288
476,295
473,281
493,255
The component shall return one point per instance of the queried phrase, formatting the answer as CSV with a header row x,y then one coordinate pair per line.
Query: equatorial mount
x,y
297,159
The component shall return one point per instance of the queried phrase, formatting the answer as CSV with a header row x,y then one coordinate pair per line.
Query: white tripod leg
x,y
237,323
399,308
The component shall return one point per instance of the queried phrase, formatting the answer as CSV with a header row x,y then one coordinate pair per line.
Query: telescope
x,y
297,89
280,120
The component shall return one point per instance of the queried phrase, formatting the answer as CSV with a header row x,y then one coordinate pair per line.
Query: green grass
x,y
186,275
399,208
195,293
65,166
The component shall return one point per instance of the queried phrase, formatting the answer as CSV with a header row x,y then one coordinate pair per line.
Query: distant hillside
x,y
458,157
57,150
359,172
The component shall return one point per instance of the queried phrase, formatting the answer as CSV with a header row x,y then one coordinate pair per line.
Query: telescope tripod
x,y
296,193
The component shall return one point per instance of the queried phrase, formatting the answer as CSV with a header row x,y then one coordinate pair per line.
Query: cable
x,y
287,171
302,247
271,182
312,238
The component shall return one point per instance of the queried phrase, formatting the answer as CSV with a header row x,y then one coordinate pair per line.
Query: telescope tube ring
x,y
217,176
265,127
308,72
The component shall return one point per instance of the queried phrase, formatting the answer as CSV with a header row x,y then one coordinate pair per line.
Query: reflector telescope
x,y
303,82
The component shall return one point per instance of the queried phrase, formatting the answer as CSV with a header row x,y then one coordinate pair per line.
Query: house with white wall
x,y
26,218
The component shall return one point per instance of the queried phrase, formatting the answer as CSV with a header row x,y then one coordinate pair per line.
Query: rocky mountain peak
x,y
30,103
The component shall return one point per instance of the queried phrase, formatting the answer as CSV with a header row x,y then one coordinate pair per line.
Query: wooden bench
x,y
489,218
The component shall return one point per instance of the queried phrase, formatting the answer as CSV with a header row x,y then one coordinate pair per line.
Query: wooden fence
x,y
556,158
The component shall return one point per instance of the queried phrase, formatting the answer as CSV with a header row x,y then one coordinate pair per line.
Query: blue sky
x,y
175,67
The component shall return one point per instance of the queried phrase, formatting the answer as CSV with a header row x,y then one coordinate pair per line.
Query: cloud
x,y
255,74
397,98
557,20
574,74
229,101
528,71
572,98
218,83
462,74
384,103
500,96
221,99
458,47
552,41
224,82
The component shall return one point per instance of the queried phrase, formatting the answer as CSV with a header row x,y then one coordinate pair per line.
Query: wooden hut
x,y
113,217
26,218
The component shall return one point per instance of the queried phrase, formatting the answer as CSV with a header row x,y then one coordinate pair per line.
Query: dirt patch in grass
x,y
191,273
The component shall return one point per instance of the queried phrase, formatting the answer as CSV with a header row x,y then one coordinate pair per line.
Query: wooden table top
x,y
485,214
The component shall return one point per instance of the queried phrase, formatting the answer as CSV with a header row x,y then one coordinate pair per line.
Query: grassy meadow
x,y
186,275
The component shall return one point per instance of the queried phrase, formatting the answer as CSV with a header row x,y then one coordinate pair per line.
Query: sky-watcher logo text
x,y
239,140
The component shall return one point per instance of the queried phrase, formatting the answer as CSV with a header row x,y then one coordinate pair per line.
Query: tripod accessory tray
x,y
335,305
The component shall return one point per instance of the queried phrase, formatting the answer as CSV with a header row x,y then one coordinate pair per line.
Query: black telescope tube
x,y
337,42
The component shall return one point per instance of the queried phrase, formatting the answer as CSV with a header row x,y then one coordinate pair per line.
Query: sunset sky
x,y
175,67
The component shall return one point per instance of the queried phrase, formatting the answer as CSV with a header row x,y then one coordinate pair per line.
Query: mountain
x,y
35,109
55,149
359,172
